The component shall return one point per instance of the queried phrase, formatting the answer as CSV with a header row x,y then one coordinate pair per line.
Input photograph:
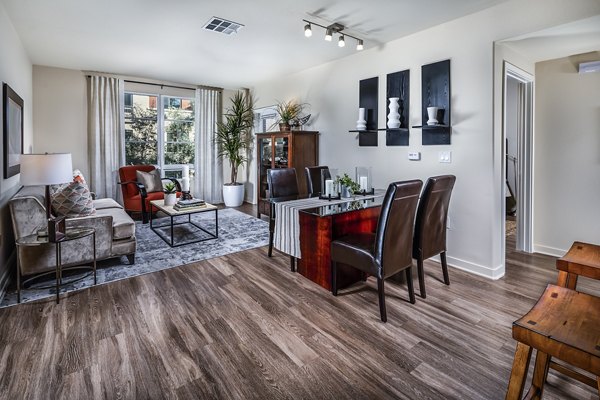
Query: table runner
x,y
287,221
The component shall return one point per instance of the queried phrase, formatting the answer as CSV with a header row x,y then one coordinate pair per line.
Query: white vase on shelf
x,y
432,114
361,124
394,115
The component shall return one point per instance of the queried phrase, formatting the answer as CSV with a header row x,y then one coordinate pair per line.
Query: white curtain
x,y
106,149
208,180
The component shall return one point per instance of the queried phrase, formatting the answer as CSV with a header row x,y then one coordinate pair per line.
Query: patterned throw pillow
x,y
71,200
151,180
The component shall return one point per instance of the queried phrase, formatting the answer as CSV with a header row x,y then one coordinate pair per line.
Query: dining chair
x,y
282,182
430,225
315,177
387,251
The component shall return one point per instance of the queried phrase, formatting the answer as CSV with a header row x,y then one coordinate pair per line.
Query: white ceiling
x,y
164,39
576,37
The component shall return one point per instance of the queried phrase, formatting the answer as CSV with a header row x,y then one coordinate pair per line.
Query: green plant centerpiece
x,y
170,188
348,183
234,141
288,111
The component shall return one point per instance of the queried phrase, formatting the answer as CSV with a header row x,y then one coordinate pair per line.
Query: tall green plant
x,y
234,135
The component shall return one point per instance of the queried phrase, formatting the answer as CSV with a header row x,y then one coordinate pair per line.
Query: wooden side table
x,y
35,240
564,324
581,259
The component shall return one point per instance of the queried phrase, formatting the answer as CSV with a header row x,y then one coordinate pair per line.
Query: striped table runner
x,y
287,221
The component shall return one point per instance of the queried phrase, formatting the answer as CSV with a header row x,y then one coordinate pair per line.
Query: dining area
x,y
340,231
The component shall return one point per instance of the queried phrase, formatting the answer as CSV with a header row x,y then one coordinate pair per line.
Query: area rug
x,y
237,232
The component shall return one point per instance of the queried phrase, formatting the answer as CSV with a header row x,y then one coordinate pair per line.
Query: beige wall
x,y
60,113
474,237
567,155
15,70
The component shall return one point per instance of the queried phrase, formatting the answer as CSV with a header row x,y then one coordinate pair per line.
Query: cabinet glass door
x,y
281,152
266,158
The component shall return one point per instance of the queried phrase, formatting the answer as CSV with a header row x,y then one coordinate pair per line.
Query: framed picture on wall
x,y
13,131
265,119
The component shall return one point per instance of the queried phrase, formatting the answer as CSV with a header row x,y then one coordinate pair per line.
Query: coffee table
x,y
173,214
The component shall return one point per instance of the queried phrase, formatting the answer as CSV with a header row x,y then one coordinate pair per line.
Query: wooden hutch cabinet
x,y
292,149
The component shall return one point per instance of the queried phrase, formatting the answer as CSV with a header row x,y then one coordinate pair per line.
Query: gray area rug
x,y
237,232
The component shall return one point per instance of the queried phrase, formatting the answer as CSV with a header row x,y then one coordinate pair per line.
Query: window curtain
x,y
106,149
208,178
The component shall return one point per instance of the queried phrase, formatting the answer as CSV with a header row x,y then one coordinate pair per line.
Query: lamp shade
x,y
46,169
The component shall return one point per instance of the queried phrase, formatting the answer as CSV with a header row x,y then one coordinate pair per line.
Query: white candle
x,y
328,187
185,172
364,182
185,184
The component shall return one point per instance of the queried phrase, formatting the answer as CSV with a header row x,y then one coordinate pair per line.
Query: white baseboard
x,y
4,279
551,251
467,266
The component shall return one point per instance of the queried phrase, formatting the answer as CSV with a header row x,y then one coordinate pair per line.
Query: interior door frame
x,y
525,153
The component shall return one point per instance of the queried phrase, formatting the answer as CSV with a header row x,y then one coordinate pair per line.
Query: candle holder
x,y
363,178
330,197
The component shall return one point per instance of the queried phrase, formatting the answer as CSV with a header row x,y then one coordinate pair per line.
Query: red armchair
x,y
135,196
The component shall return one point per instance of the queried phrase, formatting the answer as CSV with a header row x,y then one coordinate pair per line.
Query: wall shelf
x,y
398,85
435,92
367,99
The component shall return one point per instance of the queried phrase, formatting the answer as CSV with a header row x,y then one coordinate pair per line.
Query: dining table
x,y
305,227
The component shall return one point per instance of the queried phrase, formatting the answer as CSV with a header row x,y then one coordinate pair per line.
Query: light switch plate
x,y
414,155
445,156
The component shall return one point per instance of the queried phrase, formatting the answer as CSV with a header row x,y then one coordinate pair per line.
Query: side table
x,y
35,240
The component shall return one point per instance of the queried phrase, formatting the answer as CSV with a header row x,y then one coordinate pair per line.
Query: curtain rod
x,y
159,84
165,84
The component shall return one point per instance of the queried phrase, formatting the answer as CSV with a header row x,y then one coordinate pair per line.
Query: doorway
x,y
518,158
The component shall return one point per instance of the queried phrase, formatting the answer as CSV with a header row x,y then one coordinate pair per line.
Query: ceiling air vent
x,y
222,25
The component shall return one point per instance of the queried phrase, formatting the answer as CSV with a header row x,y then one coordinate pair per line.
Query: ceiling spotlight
x,y
307,30
330,30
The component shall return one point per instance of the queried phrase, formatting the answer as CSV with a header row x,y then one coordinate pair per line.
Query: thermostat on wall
x,y
414,155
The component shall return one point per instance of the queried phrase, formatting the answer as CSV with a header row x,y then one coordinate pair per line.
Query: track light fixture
x,y
330,30
307,30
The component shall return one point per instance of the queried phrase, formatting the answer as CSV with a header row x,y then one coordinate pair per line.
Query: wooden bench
x,y
563,324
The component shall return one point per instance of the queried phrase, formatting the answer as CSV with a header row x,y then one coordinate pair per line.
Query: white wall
x,y
15,69
474,238
567,155
60,113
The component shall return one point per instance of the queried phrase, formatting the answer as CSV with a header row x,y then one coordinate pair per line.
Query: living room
x,y
49,52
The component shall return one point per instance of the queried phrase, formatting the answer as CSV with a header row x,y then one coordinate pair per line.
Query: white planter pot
x,y
170,199
233,195
432,114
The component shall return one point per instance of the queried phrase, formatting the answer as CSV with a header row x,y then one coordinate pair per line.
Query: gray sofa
x,y
115,233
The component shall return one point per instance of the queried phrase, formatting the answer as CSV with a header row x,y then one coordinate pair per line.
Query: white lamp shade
x,y
46,169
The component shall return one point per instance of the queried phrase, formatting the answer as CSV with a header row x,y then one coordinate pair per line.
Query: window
x,y
159,130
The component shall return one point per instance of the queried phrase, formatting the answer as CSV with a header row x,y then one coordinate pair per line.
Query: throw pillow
x,y
151,180
71,200
78,176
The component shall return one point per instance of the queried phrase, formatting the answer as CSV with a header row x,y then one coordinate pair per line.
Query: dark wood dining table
x,y
320,225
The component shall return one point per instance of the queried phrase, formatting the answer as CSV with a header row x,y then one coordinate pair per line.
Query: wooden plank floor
x,y
244,326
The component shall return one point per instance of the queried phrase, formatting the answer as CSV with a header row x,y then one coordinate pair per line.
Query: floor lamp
x,y
46,169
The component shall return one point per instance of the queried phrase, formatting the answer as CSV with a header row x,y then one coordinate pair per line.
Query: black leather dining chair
x,y
387,251
282,182
430,225
314,179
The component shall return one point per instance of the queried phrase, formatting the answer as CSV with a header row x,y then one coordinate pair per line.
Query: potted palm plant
x,y
234,140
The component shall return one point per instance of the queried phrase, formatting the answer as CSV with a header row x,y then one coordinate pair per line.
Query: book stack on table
x,y
183,205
